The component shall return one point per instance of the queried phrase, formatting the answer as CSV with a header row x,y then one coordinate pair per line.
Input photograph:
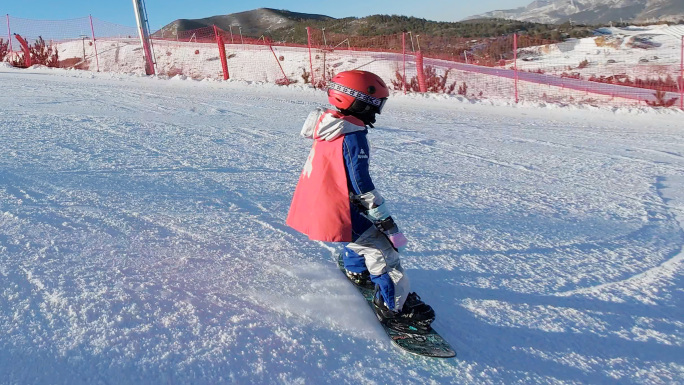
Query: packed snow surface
x,y
142,238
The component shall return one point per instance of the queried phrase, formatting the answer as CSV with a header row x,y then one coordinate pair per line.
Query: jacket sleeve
x,y
356,153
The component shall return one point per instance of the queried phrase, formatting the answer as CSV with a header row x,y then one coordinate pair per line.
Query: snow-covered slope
x,y
593,11
649,52
142,238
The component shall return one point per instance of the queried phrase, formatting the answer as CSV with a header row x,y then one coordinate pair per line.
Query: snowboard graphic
x,y
429,344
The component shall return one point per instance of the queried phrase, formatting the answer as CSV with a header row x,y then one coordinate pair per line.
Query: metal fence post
x,y
421,72
308,38
515,66
97,59
681,77
286,80
403,54
9,33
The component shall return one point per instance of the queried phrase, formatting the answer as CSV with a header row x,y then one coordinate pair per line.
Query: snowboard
x,y
428,344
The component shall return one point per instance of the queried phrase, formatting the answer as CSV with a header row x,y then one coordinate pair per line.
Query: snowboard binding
x,y
415,316
360,279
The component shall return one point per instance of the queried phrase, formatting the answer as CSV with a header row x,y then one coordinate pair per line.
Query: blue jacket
x,y
356,152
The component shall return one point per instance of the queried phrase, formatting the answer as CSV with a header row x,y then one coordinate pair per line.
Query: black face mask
x,y
364,111
367,117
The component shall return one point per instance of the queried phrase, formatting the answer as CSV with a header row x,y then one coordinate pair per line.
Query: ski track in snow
x,y
142,238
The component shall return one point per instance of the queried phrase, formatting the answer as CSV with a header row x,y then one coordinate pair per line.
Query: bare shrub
x,y
661,101
438,83
322,83
434,82
666,84
3,49
306,76
285,81
42,53
463,89
17,60
398,83
571,75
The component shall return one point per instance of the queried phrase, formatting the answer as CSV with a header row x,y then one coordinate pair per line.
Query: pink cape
x,y
320,205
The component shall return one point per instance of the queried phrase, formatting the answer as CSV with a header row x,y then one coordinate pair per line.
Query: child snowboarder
x,y
336,201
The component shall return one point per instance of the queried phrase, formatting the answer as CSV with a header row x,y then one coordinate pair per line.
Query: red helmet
x,y
358,92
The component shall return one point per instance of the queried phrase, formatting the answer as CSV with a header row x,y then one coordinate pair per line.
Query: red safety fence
x,y
66,43
642,69
197,54
633,67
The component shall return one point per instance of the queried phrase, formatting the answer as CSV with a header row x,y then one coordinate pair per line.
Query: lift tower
x,y
144,32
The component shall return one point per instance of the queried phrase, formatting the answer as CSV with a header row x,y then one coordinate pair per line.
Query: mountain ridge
x,y
251,23
592,11
282,25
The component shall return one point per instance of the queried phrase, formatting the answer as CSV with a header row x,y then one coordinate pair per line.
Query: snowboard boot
x,y
360,279
414,317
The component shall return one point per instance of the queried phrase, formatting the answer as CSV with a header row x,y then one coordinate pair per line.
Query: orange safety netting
x,y
603,70
67,43
609,70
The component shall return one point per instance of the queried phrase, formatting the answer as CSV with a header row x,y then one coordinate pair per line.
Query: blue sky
x,y
162,12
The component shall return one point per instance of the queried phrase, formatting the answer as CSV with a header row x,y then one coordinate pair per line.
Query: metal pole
x,y
308,37
325,75
681,78
325,42
287,80
515,58
241,39
147,24
9,33
230,27
144,37
422,85
403,54
97,60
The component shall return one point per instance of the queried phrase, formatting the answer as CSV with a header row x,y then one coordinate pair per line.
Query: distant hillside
x,y
387,25
281,25
253,23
